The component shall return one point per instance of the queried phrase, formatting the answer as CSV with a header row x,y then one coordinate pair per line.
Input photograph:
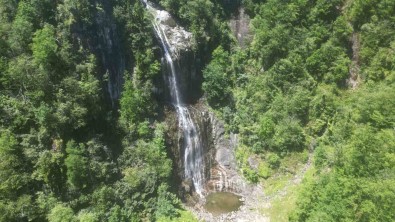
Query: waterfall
x,y
192,144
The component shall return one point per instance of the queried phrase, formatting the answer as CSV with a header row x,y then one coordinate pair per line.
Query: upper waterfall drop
x,y
177,38
174,39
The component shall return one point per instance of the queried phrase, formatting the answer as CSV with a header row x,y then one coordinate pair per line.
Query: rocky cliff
x,y
220,171
101,37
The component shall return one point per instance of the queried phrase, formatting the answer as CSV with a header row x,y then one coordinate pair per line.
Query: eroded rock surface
x,y
179,39
240,26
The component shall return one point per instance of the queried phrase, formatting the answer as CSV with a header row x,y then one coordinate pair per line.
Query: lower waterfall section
x,y
193,150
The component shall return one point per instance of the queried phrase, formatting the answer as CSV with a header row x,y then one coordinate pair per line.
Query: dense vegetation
x,y
288,92
67,153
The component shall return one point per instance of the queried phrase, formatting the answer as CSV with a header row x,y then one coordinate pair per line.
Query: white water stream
x,y
192,144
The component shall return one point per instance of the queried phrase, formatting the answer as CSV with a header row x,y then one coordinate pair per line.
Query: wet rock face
x,y
175,140
165,19
180,43
219,154
188,77
111,56
180,40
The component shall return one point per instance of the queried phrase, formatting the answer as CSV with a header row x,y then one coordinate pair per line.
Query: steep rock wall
x,y
240,26
101,37
219,153
181,78
190,78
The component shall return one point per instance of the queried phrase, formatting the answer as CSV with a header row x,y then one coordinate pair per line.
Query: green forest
x,y
315,83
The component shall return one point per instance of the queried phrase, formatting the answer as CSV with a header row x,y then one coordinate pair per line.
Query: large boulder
x,y
164,18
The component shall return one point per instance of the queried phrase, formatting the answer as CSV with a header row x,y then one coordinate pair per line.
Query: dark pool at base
x,y
222,202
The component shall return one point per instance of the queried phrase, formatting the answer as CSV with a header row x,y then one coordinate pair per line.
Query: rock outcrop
x,y
224,175
101,37
240,26
179,39
180,43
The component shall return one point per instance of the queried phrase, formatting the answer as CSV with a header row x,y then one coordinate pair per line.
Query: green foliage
x,y
361,161
205,19
13,179
382,65
87,217
368,153
61,213
44,46
77,165
283,136
273,160
21,28
266,131
342,30
329,64
167,203
283,94
264,171
140,162
138,107
104,197
19,209
117,214
375,107
52,90
253,176
217,82
136,104
292,97
337,193
50,169
288,136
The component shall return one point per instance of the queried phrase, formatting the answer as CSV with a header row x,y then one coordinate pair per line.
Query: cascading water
x,y
192,144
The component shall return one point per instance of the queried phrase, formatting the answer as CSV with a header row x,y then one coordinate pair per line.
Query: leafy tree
x,y
266,129
61,213
329,63
104,198
87,217
288,135
22,27
366,152
77,165
13,179
50,169
166,204
135,103
44,46
217,82
117,214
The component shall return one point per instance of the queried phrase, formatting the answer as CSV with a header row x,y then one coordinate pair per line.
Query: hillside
x,y
118,110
